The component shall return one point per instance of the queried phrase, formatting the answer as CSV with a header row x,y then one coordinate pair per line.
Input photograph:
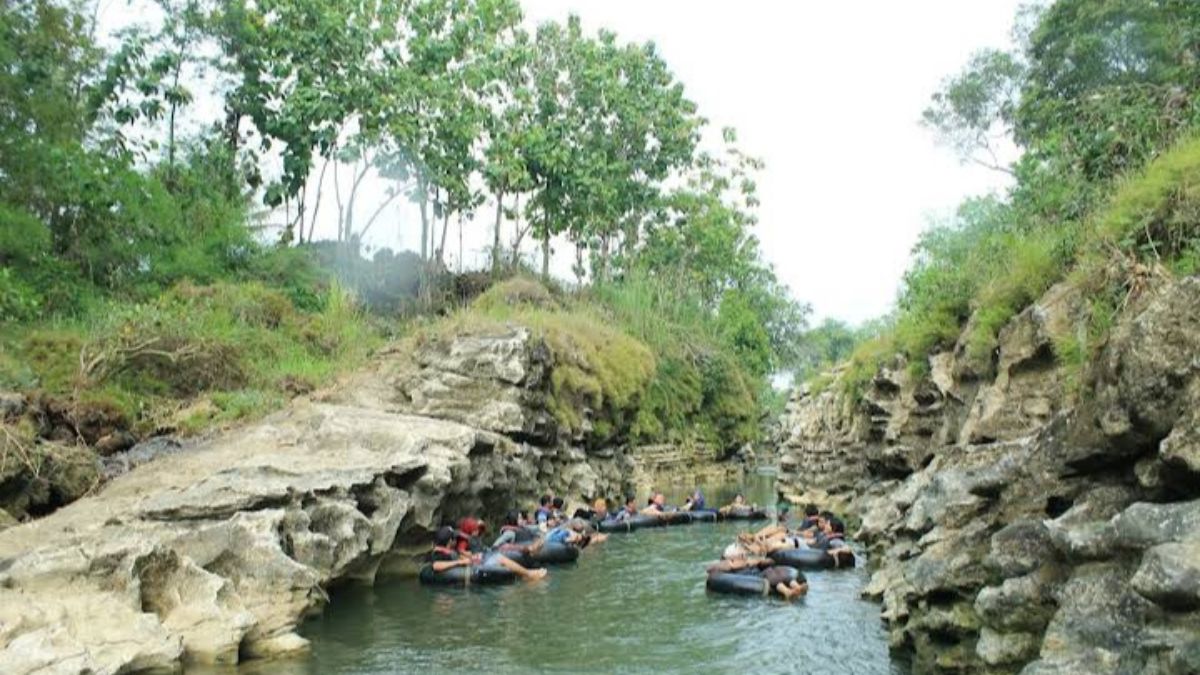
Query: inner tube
x,y
632,523
551,553
743,514
689,517
488,573
814,558
747,582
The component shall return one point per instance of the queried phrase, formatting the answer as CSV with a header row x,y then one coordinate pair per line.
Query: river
x,y
634,604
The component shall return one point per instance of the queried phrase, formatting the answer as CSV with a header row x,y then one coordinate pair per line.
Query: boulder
x,y
1000,649
1144,373
1170,575
216,554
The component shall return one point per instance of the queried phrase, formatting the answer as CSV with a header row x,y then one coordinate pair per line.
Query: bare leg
x,y
791,590
520,570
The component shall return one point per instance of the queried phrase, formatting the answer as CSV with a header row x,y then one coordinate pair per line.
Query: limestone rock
x,y
1027,390
1021,604
1020,547
1099,617
1144,372
217,553
1170,575
997,649
1180,450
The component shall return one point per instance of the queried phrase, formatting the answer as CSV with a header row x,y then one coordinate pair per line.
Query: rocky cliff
x,y
217,550
1022,516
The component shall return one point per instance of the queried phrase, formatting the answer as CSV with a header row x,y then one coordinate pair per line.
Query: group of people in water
x,y
467,543
753,551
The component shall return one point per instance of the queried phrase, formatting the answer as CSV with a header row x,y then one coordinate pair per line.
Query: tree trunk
x,y
546,254
442,247
312,227
496,237
337,194
424,188
358,179
601,273
516,247
232,120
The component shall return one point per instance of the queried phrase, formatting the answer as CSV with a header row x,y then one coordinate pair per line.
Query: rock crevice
x,y
1018,524
215,552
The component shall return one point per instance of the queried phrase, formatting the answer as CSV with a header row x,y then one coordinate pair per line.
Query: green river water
x,y
634,604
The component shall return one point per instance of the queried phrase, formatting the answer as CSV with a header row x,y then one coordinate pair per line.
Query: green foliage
x,y
864,363
828,344
132,248
1156,214
232,344
1096,91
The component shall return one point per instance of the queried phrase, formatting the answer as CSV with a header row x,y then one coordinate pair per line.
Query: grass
x,y
625,353
195,356
1148,229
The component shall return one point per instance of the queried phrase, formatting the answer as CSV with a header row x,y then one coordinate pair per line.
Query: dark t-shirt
x,y
440,555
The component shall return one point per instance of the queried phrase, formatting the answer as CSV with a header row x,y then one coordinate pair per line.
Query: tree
x,y
974,111
439,68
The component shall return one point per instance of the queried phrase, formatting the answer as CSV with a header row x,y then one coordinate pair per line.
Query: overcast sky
x,y
829,94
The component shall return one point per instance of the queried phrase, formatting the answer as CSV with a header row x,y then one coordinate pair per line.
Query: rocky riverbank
x,y
216,551
1023,517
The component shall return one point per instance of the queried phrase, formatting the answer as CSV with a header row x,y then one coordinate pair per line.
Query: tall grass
x,y
989,268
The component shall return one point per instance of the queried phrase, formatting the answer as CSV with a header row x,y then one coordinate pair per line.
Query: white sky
x,y
829,94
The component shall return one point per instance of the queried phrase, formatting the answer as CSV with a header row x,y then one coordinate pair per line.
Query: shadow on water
x,y
631,605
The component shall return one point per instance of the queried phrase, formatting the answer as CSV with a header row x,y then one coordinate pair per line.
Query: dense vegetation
x,y
160,192
1102,98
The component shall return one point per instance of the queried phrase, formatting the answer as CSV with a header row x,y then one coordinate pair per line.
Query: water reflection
x,y
635,604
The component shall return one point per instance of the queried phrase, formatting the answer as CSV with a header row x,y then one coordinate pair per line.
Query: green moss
x,y
864,363
515,292
659,385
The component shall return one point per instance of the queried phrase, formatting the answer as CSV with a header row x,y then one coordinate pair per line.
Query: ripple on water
x,y
635,604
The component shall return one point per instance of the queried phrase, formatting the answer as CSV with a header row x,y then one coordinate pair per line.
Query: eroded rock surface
x,y
1018,524
215,551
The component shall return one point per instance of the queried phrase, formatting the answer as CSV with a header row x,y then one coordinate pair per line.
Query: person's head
x,y
658,499
544,500
557,502
524,517
784,513
471,526
811,511
837,526
739,498
600,506
444,536
631,503
512,518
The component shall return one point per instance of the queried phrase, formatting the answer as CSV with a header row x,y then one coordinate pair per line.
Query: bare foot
x,y
534,575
